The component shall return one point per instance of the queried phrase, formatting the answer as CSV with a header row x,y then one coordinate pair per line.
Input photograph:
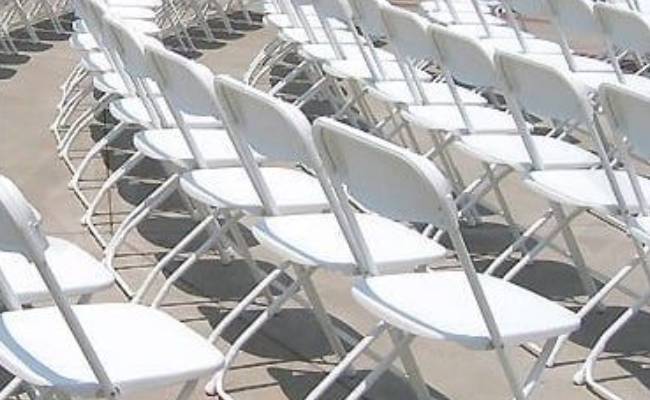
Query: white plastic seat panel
x,y
586,188
464,18
133,12
141,348
76,271
299,35
294,191
538,46
478,31
281,21
170,145
267,7
95,61
83,42
459,6
132,110
326,52
594,79
316,240
447,118
358,69
510,150
436,93
131,3
441,306
583,64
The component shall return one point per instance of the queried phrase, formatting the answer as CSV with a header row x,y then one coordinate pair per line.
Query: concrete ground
x,y
290,356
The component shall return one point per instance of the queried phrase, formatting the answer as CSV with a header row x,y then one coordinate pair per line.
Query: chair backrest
x,y
368,13
17,214
408,33
624,29
385,178
370,169
337,9
628,113
543,90
269,125
186,86
574,17
464,56
129,45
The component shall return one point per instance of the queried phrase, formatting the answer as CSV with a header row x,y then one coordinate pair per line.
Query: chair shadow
x,y
7,73
297,384
14,59
309,345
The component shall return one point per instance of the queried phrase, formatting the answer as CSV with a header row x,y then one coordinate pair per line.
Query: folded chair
x,y
476,311
92,350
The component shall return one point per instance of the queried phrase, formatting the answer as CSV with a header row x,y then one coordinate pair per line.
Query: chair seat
x,y
468,17
294,191
83,42
140,348
459,6
441,306
447,118
131,12
478,31
316,240
594,79
95,61
582,64
299,35
132,110
536,46
586,188
281,21
358,69
326,52
510,150
170,145
112,82
76,271
436,93
131,3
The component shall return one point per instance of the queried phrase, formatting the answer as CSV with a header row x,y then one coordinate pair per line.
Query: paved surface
x,y
290,356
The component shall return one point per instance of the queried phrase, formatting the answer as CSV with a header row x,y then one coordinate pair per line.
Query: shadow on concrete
x,y
296,384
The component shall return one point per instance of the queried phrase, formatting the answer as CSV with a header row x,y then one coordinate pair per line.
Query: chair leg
x,y
216,385
10,388
410,366
90,155
144,288
347,361
318,308
125,168
585,375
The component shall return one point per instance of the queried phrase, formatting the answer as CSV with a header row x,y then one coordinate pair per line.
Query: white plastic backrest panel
x,y
129,45
576,17
530,8
625,28
187,84
628,112
543,90
408,33
465,57
338,9
368,12
386,179
92,12
19,224
269,125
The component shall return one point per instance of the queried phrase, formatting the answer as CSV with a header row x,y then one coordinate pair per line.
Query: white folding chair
x,y
92,350
626,111
474,310
553,93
